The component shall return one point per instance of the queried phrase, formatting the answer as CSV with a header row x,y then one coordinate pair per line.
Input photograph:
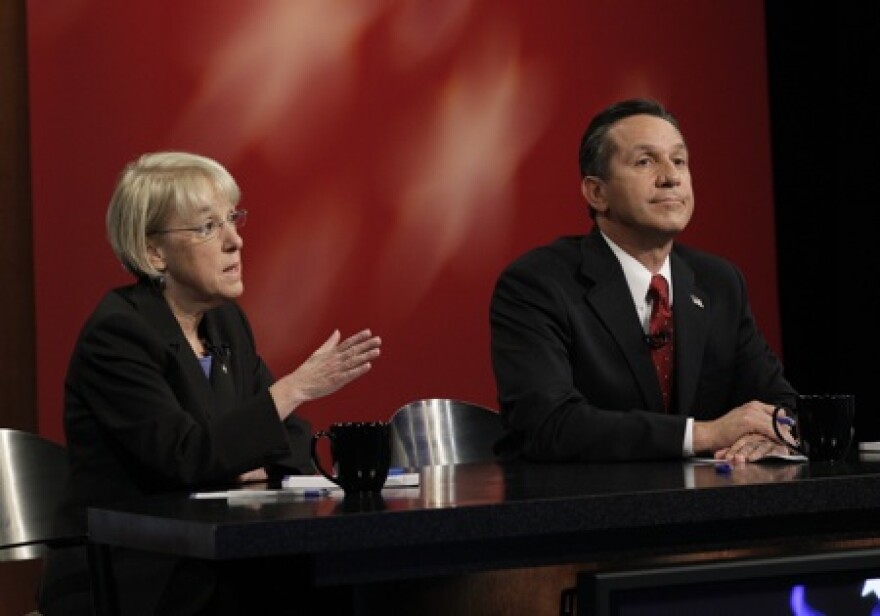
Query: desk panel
x,y
489,516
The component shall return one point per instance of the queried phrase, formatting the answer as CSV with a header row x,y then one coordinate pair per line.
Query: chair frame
x,y
33,473
443,431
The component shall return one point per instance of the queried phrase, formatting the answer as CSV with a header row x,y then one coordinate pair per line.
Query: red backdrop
x,y
394,157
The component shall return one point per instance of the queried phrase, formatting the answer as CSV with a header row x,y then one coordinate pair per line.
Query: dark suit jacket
x,y
574,374
141,418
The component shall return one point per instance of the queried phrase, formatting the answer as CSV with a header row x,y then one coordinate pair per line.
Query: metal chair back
x,y
33,471
441,431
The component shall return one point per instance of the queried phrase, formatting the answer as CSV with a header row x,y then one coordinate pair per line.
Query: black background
x,y
821,74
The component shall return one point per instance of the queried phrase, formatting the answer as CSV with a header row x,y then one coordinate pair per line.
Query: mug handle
x,y
316,458
784,440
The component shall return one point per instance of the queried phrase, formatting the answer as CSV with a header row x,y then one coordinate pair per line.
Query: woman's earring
x,y
159,280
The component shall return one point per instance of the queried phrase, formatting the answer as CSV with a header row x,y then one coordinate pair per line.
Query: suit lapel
x,y
690,309
152,305
221,377
608,296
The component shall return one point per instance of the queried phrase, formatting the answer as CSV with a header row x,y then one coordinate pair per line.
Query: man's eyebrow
x,y
639,148
648,147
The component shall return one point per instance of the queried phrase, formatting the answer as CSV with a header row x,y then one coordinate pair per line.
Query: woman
x,y
165,391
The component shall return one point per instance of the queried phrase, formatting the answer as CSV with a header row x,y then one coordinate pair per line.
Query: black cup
x,y
361,453
823,425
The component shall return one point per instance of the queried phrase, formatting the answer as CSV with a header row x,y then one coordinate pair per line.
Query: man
x,y
572,343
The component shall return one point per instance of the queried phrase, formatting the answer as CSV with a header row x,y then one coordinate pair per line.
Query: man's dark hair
x,y
596,148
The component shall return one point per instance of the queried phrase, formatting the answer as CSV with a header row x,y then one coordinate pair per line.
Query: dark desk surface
x,y
488,516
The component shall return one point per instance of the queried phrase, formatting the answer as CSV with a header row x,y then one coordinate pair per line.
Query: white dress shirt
x,y
638,278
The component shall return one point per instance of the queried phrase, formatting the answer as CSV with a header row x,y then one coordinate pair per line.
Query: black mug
x,y
822,425
361,452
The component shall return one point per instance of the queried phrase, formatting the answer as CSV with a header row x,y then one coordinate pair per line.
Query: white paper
x,y
237,494
791,457
307,482
770,457
303,485
319,482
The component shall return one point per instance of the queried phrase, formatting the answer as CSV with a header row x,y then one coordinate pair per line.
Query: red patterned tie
x,y
660,334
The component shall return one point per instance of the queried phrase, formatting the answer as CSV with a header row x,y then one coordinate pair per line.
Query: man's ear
x,y
593,190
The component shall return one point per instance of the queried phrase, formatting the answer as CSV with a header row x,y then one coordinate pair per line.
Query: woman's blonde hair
x,y
152,188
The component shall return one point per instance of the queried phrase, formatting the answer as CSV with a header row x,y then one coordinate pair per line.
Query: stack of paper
x,y
312,483
869,451
302,485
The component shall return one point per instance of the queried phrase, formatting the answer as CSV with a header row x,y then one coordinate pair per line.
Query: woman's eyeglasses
x,y
210,229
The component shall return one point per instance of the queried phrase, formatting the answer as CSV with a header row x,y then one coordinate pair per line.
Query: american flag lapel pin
x,y
696,300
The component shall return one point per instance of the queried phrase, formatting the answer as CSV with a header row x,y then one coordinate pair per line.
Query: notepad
x,y
241,495
319,482
769,457
782,457
307,482
302,485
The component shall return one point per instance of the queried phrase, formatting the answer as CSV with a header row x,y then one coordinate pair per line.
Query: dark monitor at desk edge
x,y
845,583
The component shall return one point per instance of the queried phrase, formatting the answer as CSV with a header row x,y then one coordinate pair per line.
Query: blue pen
x,y
723,469
314,493
786,421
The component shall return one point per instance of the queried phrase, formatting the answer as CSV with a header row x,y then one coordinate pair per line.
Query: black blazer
x,y
574,373
141,418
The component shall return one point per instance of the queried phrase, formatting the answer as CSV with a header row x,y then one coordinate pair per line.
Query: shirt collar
x,y
638,277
